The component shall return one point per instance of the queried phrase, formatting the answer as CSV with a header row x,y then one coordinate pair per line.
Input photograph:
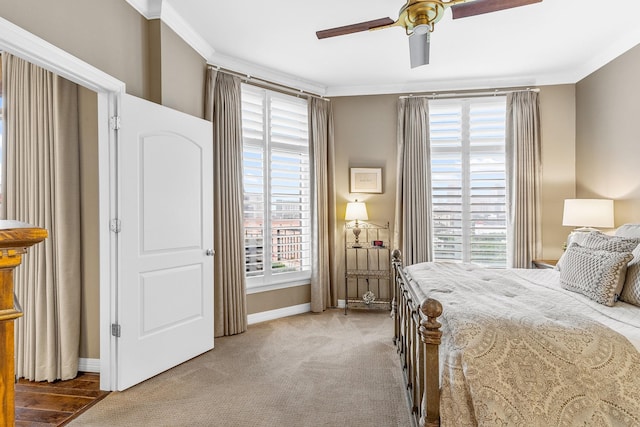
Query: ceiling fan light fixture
x,y
419,48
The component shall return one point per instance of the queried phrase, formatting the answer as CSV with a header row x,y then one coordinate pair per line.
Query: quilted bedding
x,y
519,352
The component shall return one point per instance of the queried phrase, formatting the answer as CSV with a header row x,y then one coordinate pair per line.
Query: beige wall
x,y
365,135
557,133
90,309
272,300
183,74
608,135
176,71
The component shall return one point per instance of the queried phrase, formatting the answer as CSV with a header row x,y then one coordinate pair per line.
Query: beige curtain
x,y
42,189
223,109
324,292
523,179
413,228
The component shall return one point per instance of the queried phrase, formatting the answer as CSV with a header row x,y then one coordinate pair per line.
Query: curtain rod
x,y
269,85
445,95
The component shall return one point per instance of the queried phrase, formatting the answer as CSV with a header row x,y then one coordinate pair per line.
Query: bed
x,y
524,347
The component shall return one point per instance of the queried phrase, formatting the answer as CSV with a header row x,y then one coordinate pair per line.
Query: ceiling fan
x,y
418,18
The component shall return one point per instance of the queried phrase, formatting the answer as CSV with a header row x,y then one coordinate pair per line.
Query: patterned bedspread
x,y
517,354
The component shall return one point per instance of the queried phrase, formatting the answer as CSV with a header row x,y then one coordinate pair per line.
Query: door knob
x,y
209,252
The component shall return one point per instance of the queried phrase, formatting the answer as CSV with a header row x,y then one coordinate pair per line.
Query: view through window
x,y
277,187
469,180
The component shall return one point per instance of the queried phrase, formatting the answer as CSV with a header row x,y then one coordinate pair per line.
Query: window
x,y
277,188
469,180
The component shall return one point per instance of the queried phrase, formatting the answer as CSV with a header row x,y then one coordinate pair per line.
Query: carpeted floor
x,y
308,370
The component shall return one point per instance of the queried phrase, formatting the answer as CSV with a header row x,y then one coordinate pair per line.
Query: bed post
x,y
430,335
396,258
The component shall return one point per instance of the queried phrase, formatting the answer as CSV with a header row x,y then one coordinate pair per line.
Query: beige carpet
x,y
309,370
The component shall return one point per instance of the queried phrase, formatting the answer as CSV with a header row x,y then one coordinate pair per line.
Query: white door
x,y
165,283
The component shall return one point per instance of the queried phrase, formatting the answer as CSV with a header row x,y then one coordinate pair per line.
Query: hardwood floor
x,y
55,404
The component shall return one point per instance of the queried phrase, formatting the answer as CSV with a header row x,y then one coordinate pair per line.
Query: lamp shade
x,y
588,213
356,210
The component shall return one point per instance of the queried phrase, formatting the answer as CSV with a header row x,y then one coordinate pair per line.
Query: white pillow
x,y
628,230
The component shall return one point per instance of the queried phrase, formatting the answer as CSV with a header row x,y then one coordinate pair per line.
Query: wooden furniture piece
x,y
368,277
15,238
545,263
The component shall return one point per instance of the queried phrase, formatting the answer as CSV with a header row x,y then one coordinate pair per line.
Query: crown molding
x,y
264,73
431,86
182,28
193,39
150,9
178,24
608,54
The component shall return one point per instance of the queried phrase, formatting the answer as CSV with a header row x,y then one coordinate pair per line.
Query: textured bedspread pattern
x,y
515,354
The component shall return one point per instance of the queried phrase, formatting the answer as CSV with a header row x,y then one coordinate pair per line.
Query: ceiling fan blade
x,y
419,48
354,28
479,7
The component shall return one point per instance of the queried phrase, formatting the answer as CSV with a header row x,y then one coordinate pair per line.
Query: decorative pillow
x,y
601,241
628,230
631,291
594,273
576,236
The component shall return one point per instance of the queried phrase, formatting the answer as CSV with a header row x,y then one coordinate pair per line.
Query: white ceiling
x,y
553,42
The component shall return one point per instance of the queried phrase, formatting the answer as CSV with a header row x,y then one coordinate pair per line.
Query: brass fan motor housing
x,y
417,12
422,12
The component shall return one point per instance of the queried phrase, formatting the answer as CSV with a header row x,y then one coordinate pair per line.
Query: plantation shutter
x,y
277,189
254,181
469,180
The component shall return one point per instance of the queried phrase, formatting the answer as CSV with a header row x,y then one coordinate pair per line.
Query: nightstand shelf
x,y
368,268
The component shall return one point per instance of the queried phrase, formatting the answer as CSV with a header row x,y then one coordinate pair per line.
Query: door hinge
x,y
115,330
116,225
115,122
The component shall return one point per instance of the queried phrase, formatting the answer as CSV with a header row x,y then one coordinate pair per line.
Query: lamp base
x,y
356,232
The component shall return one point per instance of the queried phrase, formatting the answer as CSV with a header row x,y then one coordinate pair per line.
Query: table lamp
x,y
588,213
356,211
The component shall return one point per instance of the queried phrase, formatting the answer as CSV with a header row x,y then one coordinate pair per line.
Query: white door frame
x,y
23,44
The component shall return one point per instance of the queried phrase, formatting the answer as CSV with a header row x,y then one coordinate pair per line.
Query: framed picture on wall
x,y
366,180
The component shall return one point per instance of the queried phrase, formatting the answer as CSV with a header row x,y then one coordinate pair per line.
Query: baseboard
x,y
89,365
278,313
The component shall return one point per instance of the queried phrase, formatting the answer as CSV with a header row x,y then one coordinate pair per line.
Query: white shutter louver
x,y
290,186
468,180
277,186
253,181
